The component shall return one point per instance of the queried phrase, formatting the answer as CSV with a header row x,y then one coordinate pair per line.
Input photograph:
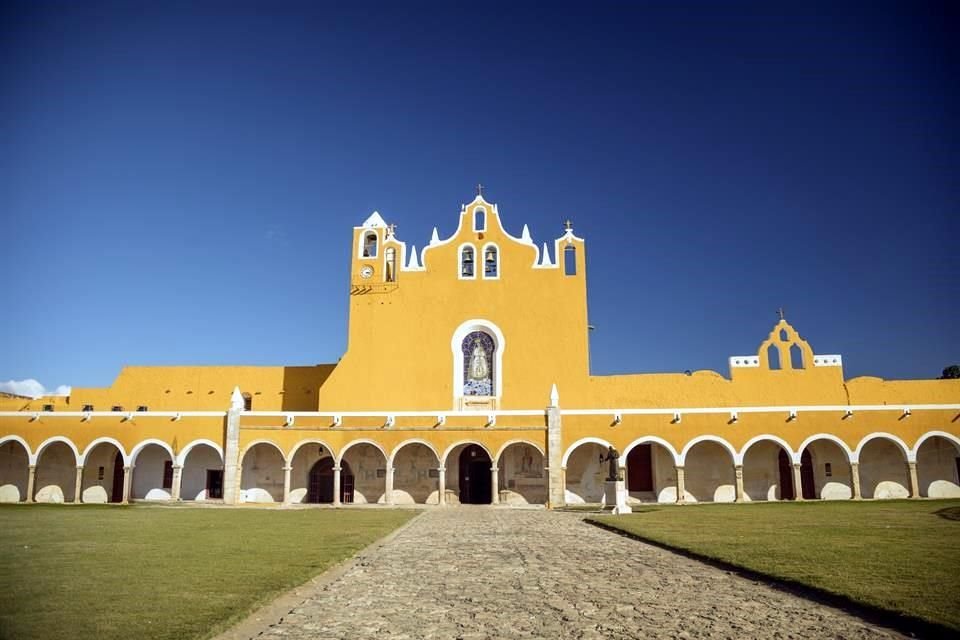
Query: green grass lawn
x,y
899,556
162,572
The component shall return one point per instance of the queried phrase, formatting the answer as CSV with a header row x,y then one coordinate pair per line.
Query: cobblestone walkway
x,y
500,573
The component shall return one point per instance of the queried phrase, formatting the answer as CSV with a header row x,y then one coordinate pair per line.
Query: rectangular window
x,y
570,260
88,407
167,474
142,407
827,469
100,473
116,407
215,484
48,407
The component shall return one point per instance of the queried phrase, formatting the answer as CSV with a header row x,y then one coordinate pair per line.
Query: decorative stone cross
x,y
391,229
479,189
568,225
780,312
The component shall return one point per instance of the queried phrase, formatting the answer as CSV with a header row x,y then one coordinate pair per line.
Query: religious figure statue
x,y
479,367
612,456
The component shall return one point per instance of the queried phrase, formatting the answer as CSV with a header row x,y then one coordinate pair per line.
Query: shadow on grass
x,y
910,625
950,513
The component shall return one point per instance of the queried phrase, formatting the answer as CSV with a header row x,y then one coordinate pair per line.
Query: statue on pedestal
x,y
614,473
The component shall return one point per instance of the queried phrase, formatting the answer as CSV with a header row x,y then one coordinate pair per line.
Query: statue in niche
x,y
479,368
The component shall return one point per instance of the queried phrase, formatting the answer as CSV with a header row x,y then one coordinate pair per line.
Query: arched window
x,y
491,262
773,357
479,220
369,245
466,262
796,357
391,256
478,364
570,260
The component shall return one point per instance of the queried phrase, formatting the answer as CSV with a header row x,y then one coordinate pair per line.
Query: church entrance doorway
x,y
320,482
640,469
806,476
116,495
786,476
475,480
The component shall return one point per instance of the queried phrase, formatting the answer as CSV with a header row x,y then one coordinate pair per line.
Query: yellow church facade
x,y
466,380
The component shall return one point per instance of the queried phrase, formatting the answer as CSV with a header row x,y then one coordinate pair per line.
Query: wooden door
x,y
116,494
474,475
806,476
786,476
214,484
640,468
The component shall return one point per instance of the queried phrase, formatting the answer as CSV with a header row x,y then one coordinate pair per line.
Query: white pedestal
x,y
615,495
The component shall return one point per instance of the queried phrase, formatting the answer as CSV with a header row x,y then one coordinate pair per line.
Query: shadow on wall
x,y
301,387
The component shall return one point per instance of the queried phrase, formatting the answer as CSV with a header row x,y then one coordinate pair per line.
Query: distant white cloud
x,y
32,388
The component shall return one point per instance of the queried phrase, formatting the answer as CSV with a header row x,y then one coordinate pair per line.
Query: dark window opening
x,y
370,245
570,260
167,474
48,407
479,220
143,407
116,407
247,402
773,356
88,407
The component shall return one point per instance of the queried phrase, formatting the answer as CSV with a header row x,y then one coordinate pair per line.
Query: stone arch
x,y
201,474
301,460
830,460
364,458
883,460
52,440
584,474
56,473
151,463
103,464
764,477
938,470
709,472
396,449
262,464
907,452
14,468
140,446
446,453
650,470
850,455
734,458
114,442
581,441
296,447
521,473
185,451
412,462
456,347
450,462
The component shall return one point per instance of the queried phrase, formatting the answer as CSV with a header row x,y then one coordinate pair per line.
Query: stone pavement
x,y
472,572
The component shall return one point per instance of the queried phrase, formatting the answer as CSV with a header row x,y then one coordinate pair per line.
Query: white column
x,y
231,450
556,482
494,485
855,476
738,472
914,481
177,481
336,486
797,482
286,485
681,486
237,490
389,486
442,486
78,486
127,477
31,481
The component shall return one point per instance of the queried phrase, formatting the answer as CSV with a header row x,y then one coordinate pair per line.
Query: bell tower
x,y
375,264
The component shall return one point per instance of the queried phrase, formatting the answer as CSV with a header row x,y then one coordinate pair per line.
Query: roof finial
x,y
391,229
568,225
479,189
780,313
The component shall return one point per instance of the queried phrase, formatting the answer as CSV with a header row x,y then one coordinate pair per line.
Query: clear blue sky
x,y
178,181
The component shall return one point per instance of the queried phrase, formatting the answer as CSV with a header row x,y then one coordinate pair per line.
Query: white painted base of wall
x,y
943,489
9,493
158,494
94,495
256,495
51,494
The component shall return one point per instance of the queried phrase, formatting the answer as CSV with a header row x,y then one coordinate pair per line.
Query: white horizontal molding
x,y
828,361
843,408
434,415
115,414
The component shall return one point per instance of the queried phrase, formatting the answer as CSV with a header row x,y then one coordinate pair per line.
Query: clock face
x,y
366,271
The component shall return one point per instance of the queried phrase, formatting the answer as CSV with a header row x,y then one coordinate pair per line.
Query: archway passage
x,y
807,480
56,477
202,475
522,478
415,476
152,474
883,470
710,474
938,468
785,468
825,471
475,480
585,474
14,471
116,492
262,474
320,482
640,469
